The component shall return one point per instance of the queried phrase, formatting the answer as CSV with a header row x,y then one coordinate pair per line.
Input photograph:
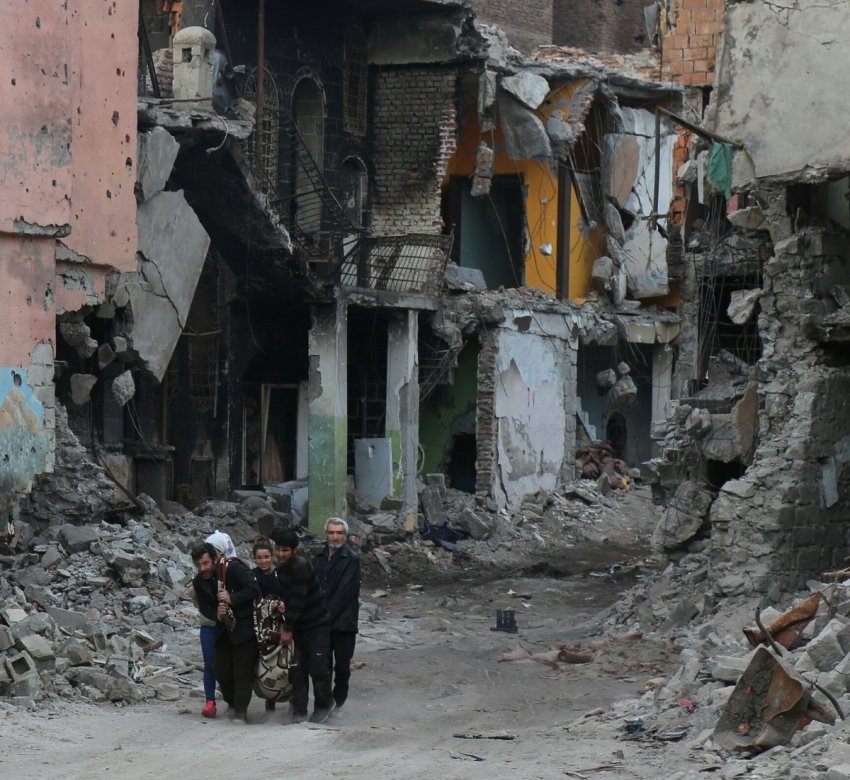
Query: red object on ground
x,y
209,710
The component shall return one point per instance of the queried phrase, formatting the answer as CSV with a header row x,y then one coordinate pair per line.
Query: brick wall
x,y
689,51
414,136
486,454
610,26
527,24
681,191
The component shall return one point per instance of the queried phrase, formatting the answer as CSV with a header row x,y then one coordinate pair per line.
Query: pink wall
x,y
103,61
26,297
35,115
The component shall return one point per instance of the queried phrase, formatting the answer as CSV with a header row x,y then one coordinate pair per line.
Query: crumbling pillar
x,y
327,446
402,421
662,383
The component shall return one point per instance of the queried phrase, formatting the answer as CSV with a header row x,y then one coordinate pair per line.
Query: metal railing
x,y
414,263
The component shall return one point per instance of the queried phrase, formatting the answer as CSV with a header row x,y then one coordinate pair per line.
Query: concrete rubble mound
x,y
720,705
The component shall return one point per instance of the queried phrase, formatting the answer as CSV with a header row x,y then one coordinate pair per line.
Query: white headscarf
x,y
223,543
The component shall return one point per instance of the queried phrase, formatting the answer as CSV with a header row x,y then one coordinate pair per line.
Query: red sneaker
x,y
209,710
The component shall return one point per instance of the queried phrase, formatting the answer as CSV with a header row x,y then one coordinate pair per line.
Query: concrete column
x,y
327,424
402,425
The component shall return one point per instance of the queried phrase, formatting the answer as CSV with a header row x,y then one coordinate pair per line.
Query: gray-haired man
x,y
338,567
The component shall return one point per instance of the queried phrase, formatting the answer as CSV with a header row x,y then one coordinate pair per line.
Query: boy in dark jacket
x,y
232,609
338,567
305,622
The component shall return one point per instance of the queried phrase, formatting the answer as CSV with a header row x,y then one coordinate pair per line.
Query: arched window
x,y
262,147
354,190
355,79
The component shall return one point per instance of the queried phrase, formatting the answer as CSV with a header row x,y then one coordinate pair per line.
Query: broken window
x,y
354,190
355,80
490,229
262,148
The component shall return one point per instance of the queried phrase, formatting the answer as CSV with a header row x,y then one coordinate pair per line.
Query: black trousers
x,y
342,651
312,653
234,668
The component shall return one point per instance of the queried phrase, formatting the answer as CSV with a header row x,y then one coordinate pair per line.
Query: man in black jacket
x,y
232,608
305,622
338,567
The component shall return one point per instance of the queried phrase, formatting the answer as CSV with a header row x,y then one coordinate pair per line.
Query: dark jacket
x,y
269,583
339,577
301,595
243,589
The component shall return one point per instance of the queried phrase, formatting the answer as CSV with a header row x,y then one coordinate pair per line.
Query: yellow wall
x,y
541,184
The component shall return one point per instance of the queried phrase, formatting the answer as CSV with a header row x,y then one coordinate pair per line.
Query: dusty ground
x,y
429,671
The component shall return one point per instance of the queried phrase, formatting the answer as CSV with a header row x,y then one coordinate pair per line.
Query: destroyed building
x,y
755,457
393,249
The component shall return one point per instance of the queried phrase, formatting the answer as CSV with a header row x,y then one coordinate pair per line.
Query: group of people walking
x,y
313,604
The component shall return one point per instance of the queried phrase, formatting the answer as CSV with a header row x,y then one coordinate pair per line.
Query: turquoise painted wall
x,y
24,442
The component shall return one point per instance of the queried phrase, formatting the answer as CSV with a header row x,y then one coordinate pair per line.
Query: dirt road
x,y
427,671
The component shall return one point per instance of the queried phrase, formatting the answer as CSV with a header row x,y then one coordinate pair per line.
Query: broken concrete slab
x,y
76,538
173,247
123,387
460,278
525,135
119,343
529,88
684,516
70,619
601,274
742,305
606,378
157,152
432,506
39,649
474,524
81,387
624,392
826,650
6,638
749,218
78,336
52,556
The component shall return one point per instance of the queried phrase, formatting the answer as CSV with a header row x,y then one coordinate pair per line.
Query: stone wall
x,y
784,521
415,125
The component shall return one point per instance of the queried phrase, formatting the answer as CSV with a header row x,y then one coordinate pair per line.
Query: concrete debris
x,y
606,378
460,278
105,355
624,392
525,134
684,517
78,336
529,88
742,305
749,218
119,343
602,273
81,387
157,152
482,177
123,387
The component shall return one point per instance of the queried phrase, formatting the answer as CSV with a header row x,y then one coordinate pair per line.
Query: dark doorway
x,y
616,434
718,473
461,468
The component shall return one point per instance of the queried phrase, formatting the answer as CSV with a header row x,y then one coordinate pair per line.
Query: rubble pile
x,y
98,610
696,704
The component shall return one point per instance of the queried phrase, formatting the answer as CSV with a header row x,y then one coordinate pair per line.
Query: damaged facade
x,y
392,250
754,467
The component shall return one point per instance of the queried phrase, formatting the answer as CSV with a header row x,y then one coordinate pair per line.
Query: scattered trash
x,y
671,735
788,626
519,653
688,705
505,621
635,725
479,735
770,702
466,756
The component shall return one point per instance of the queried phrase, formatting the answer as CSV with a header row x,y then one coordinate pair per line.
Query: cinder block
x,y
6,638
20,665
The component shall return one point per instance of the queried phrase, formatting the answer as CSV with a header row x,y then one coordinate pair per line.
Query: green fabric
x,y
720,167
